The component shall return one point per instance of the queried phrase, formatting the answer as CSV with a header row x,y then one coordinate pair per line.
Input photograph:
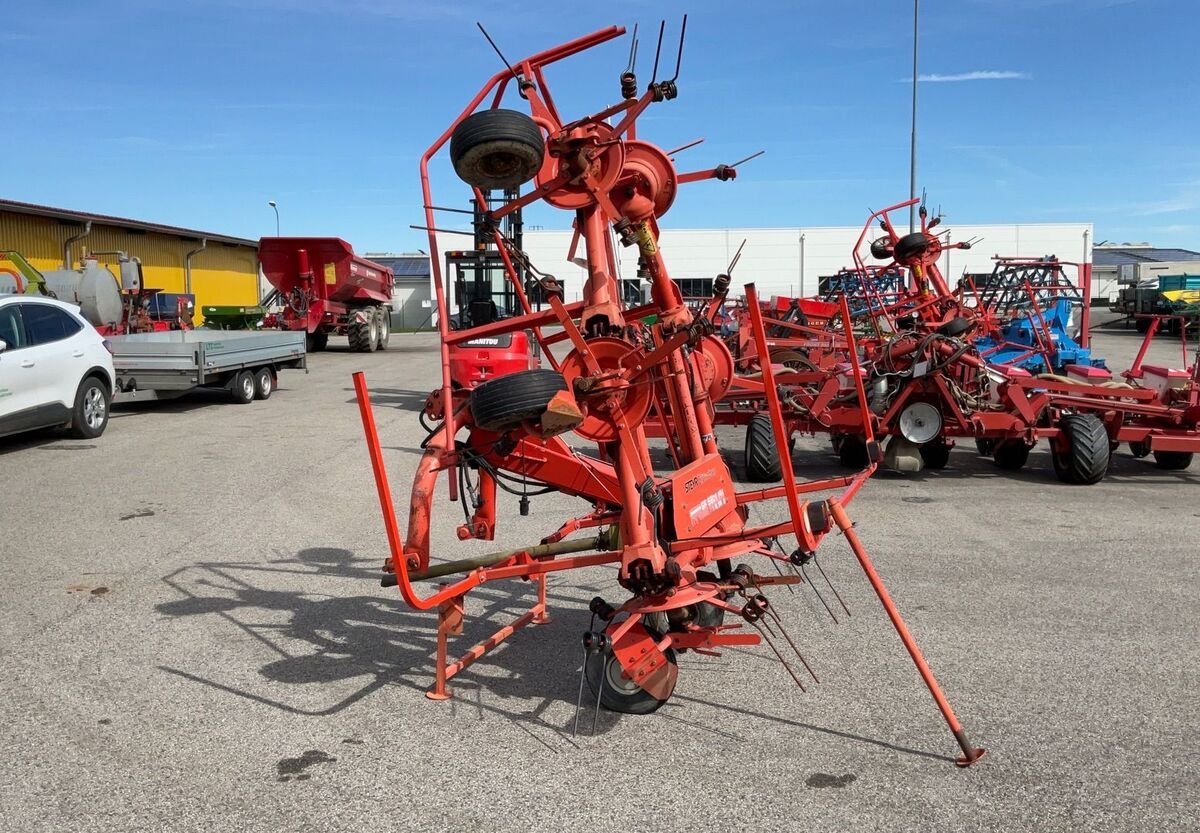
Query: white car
x,y
55,369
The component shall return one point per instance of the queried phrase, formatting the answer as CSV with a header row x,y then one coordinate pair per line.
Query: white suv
x,y
55,369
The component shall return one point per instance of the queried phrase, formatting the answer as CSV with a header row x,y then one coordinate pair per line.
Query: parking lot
x,y
195,639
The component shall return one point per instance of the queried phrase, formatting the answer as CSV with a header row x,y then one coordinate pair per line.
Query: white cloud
x,y
975,75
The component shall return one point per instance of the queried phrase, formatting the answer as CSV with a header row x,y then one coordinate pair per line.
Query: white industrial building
x,y
790,261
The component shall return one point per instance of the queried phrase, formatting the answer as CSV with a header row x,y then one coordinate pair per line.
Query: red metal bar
x,y
971,754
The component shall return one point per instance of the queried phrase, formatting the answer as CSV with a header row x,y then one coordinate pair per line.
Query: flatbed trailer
x,y
167,365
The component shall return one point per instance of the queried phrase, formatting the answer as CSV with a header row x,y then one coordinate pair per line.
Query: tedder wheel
x,y
935,454
89,417
362,333
507,401
383,326
496,149
1085,460
619,694
852,451
984,446
1011,455
762,457
954,327
242,388
1173,460
1139,449
264,383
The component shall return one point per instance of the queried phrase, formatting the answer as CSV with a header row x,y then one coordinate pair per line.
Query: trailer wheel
x,y
1139,449
935,455
242,388
852,451
316,342
497,149
362,334
619,694
383,324
507,401
985,446
264,383
1172,460
1084,462
1011,455
762,457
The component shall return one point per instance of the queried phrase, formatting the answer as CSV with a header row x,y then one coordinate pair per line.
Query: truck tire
x,y
264,383
316,342
1172,460
383,326
242,388
497,149
1085,460
361,333
1010,455
762,456
89,417
507,401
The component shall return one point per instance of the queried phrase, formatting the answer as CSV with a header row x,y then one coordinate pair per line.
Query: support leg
x,y
971,754
540,616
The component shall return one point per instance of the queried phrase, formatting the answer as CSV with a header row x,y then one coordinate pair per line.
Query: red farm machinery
x,y
928,365
672,539
325,289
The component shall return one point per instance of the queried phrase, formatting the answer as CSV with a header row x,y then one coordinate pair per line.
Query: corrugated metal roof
x,y
120,222
1120,257
404,266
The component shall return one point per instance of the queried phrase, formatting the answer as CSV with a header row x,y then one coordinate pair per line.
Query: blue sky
x,y
198,113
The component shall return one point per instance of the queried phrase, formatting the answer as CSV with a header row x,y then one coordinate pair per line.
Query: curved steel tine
x,y
824,604
837,595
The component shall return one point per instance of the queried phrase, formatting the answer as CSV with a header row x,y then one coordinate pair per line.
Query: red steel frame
x,y
668,527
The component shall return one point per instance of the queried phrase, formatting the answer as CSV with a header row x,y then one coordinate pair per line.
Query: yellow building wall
x,y
221,274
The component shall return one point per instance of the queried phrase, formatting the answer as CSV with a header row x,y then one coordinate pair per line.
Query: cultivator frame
x,y
672,536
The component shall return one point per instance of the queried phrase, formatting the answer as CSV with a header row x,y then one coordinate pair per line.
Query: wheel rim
x,y
94,409
616,682
267,383
248,386
385,332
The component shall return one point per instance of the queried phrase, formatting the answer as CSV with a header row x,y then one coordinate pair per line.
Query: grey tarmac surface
x,y
194,638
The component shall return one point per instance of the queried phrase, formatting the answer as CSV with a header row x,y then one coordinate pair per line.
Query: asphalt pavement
x,y
194,638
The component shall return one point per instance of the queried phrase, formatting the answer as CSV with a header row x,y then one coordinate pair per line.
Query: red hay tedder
x,y
672,537
928,385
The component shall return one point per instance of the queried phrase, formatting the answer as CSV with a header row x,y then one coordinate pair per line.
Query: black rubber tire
x,y
1085,462
497,149
762,457
881,248
852,451
935,454
1139,449
264,383
631,698
316,342
362,333
507,401
1172,460
1011,455
89,416
242,388
1143,325
954,327
985,446
383,327
910,246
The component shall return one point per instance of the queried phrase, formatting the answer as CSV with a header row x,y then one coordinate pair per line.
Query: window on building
x,y
695,287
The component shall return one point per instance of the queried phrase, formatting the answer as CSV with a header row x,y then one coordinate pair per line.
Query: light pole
x,y
912,169
274,206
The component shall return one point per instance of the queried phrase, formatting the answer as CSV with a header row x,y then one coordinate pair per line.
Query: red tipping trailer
x,y
325,288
